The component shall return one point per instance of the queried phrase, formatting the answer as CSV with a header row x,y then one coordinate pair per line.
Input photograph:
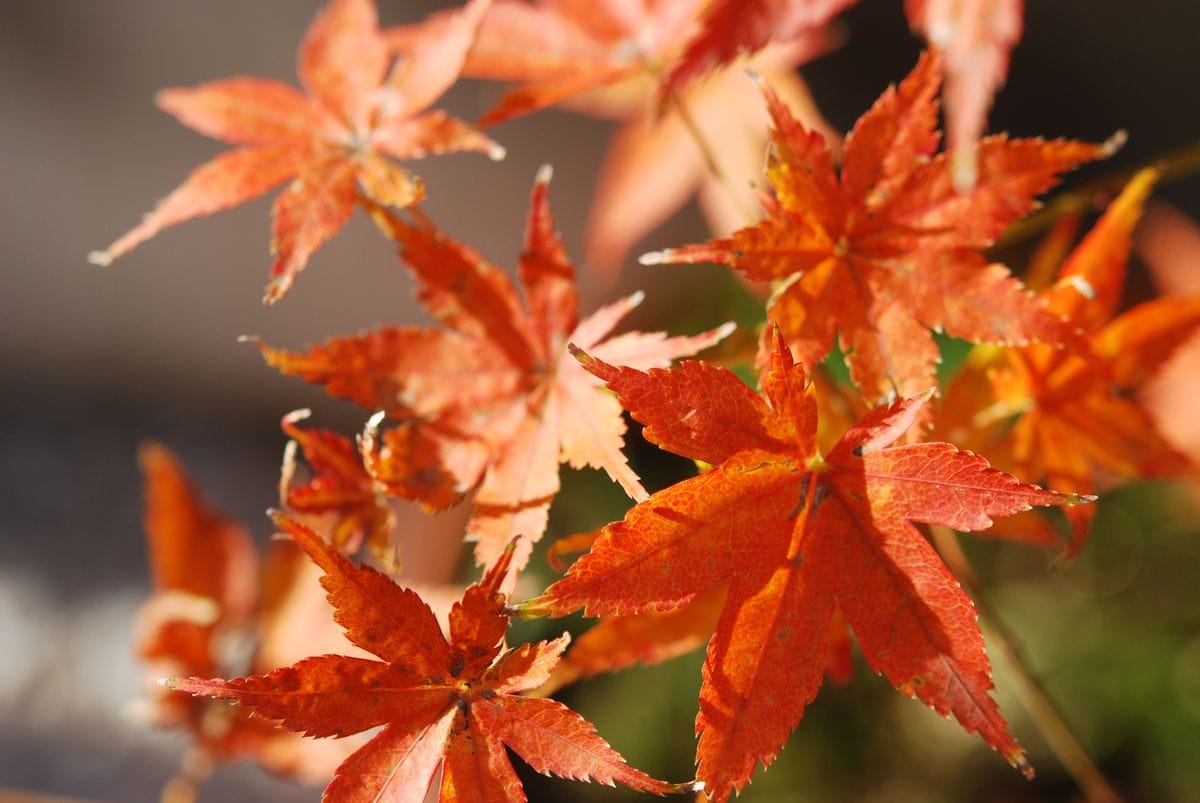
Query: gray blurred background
x,y
96,359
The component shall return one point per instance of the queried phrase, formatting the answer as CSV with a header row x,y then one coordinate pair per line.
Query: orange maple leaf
x,y
561,52
454,704
976,38
357,114
208,600
876,257
339,486
797,536
730,29
1078,423
605,59
494,400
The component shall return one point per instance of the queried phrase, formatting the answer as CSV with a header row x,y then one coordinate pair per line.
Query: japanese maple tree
x,y
804,530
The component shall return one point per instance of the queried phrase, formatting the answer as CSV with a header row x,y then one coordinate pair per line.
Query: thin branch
x,y
1029,689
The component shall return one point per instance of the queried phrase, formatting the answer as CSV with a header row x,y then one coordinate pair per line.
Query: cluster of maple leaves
x,y
801,533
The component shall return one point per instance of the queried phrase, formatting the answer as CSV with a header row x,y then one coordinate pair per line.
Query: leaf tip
x,y
496,152
589,363
297,415
1022,765
636,298
169,683
1114,143
101,258
1080,499
724,330
544,174
375,420
276,289
654,258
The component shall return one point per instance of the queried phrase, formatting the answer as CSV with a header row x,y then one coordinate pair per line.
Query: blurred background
x,y
95,360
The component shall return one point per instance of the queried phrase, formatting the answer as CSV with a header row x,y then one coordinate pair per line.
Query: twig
x,y
1029,689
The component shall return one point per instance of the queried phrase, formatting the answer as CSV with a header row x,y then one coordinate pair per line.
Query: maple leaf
x,y
797,536
1078,423
338,138
617,642
561,52
732,28
876,257
606,60
1168,244
653,164
208,597
203,566
976,38
340,486
493,401
452,703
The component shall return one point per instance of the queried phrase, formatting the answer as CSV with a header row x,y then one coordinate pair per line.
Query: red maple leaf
x,y
798,536
339,487
1078,424
494,400
453,704
876,257
605,60
358,112
208,599
617,642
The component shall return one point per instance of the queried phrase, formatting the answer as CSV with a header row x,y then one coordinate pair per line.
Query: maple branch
x,y
710,158
1029,689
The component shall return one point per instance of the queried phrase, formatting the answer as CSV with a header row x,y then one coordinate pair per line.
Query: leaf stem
x,y
1028,688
